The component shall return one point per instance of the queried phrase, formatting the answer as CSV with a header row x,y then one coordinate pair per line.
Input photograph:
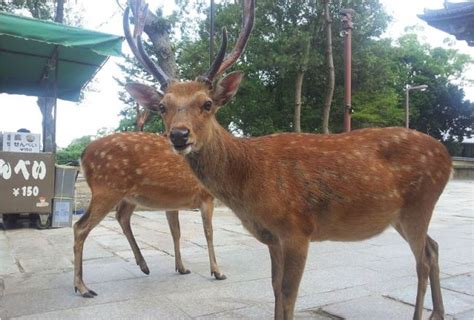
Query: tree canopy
x,y
381,69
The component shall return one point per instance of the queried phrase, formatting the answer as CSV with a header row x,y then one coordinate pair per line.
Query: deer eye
x,y
162,108
207,105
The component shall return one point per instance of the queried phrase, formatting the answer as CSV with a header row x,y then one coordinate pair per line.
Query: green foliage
x,y
380,70
73,152
44,10
41,9
441,111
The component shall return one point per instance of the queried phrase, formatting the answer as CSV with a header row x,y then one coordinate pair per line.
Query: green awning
x,y
26,46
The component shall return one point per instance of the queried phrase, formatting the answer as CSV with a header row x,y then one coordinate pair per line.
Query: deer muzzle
x,y
179,137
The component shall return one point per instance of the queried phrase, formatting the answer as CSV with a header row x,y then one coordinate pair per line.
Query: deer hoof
x,y
89,294
218,276
436,316
145,269
184,271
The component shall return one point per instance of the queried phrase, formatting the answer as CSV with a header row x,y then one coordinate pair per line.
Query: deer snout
x,y
179,137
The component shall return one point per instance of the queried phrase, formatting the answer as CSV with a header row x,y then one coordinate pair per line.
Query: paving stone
x,y
457,269
454,302
144,308
316,301
228,296
93,250
115,242
128,254
463,283
467,315
373,307
370,279
52,262
316,281
264,311
9,265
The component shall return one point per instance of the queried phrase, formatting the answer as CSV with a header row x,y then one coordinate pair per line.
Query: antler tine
x,y
155,70
211,73
139,18
136,44
128,36
248,20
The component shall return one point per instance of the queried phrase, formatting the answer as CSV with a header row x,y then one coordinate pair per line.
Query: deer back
x,y
342,187
141,167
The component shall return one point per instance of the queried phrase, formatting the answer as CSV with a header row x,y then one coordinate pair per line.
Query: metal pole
x,y
346,15
55,111
211,32
407,106
421,87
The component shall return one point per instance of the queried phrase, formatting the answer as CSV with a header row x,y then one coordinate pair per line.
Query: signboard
x,y
21,142
26,182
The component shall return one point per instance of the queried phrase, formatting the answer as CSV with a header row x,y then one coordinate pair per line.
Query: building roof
x,y
456,19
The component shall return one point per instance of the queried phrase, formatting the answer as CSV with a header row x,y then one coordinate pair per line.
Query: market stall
x,y
50,61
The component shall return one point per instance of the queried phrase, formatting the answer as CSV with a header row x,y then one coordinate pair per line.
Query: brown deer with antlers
x,y
124,170
290,189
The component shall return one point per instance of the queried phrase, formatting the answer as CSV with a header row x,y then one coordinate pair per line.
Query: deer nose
x,y
179,136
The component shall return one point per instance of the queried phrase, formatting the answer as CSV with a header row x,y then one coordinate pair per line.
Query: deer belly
x,y
164,203
353,226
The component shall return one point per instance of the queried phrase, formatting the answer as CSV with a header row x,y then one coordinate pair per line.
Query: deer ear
x,y
227,88
145,95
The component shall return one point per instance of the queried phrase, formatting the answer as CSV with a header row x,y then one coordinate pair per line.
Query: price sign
x,y
26,182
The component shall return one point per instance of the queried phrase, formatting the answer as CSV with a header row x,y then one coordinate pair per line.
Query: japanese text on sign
x,y
26,168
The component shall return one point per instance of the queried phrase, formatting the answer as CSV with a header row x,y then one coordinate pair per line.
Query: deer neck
x,y
223,165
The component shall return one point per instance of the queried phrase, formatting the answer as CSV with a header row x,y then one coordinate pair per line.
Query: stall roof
x,y
27,45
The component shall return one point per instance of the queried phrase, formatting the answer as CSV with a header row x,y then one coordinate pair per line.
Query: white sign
x,y
21,142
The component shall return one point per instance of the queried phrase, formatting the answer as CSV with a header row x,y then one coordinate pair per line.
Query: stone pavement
x,y
373,279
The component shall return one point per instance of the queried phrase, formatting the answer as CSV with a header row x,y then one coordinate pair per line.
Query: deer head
x,y
188,108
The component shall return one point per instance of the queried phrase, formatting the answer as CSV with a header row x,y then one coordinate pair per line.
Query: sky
x,y
100,109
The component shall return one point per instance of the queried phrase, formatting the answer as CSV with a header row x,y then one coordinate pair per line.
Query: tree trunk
x,y
298,86
300,75
48,102
46,105
299,82
59,17
330,68
160,39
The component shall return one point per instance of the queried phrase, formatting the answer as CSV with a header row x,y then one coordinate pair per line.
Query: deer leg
x,y
98,209
173,221
416,236
124,214
276,256
295,251
432,255
207,208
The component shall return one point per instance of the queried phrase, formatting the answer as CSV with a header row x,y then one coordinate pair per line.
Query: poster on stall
x,y
21,142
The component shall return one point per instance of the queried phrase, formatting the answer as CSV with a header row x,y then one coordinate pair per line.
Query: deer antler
x,y
220,64
136,45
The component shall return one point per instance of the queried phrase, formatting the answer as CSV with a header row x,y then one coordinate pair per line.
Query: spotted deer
x,y
290,189
127,169
124,170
